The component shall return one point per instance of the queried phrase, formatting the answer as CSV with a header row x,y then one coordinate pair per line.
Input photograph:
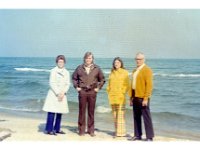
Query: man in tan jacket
x,y
142,85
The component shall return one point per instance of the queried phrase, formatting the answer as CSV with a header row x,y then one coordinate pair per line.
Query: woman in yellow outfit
x,y
118,86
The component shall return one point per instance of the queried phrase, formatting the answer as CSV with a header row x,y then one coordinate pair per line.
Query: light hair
x,y
87,54
140,53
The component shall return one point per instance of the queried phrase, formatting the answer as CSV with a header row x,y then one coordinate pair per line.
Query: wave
x,y
177,75
30,84
165,115
107,72
32,69
20,109
180,75
46,70
175,115
195,104
102,109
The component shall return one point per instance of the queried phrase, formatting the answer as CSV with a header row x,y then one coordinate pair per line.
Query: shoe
x,y
92,134
149,139
81,134
135,139
51,133
120,136
60,132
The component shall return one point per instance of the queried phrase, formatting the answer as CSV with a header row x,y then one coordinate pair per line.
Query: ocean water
x,y
175,103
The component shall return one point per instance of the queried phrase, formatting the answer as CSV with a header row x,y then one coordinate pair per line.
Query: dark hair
x,y
88,54
60,57
120,60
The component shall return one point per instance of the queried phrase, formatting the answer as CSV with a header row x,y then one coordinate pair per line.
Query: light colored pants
x,y
119,119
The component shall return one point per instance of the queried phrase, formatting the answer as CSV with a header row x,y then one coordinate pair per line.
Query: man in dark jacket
x,y
88,79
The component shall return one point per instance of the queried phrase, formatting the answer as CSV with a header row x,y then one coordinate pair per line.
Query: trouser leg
x,y
91,111
147,122
137,114
50,121
58,122
82,110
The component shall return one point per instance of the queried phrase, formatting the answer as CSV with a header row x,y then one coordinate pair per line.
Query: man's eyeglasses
x,y
139,58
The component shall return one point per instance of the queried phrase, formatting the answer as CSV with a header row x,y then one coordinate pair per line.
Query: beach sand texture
x,y
28,129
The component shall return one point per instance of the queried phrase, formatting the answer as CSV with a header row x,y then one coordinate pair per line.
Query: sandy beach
x,y
31,129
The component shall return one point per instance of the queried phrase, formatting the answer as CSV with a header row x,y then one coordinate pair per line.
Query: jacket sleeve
x,y
53,82
108,86
101,79
149,84
75,78
67,83
126,85
130,87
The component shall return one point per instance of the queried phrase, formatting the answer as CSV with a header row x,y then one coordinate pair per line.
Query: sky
x,y
158,33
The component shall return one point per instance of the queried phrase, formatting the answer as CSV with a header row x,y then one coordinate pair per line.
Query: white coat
x,y
59,81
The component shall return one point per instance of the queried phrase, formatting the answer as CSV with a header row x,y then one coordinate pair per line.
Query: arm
x,y
148,84
53,83
108,86
101,79
130,94
75,78
67,83
126,84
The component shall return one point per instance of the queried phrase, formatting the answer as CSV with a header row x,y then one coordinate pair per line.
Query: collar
x,y
139,68
118,70
60,70
92,66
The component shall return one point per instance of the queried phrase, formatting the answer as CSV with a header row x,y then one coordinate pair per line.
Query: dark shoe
x,y
135,139
149,140
51,133
60,132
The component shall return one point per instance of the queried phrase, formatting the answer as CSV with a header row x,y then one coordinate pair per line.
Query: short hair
x,y
87,54
120,60
60,57
140,53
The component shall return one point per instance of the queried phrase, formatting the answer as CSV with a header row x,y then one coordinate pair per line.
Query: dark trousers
x,y
138,112
86,101
50,126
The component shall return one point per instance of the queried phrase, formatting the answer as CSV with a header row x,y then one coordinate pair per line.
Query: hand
x,y
61,96
78,89
131,101
96,89
144,102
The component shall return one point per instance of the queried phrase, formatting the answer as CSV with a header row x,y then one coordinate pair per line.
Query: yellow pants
x,y
119,119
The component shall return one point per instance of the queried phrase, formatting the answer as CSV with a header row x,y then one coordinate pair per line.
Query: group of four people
x,y
88,79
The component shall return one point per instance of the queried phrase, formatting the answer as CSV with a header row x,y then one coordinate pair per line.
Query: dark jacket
x,y
88,82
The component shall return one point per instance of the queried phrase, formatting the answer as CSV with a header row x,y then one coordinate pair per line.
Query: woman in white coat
x,y
56,101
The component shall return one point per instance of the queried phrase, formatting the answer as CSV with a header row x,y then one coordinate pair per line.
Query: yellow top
x,y
118,86
144,83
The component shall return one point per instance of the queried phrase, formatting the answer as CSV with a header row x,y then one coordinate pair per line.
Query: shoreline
x,y
32,129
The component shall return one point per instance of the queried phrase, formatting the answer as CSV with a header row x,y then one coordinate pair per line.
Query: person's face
x,y
61,63
117,64
139,60
89,60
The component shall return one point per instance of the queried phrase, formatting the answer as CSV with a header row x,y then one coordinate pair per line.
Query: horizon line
x,y
81,57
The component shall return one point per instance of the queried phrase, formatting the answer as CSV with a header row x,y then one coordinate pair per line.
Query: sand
x,y
29,129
